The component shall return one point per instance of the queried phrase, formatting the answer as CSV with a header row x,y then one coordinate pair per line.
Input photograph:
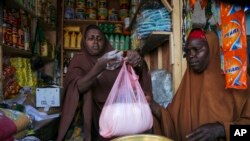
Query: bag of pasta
x,y
126,110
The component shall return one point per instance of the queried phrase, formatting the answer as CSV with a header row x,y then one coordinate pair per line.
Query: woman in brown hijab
x,y
202,109
90,77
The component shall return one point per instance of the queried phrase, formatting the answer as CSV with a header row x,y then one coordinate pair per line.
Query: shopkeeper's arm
x,y
85,82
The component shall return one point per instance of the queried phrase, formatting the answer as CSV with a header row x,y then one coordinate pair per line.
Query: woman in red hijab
x,y
202,109
87,84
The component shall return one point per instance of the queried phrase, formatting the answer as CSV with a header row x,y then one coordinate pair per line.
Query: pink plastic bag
x,y
126,110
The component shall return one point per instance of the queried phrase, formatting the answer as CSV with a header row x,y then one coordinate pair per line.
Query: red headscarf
x,y
196,33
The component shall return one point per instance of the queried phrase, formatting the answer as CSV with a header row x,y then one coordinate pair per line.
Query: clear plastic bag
x,y
162,87
126,110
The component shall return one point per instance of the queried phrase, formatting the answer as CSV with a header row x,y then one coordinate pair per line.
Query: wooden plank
x,y
177,44
81,22
167,5
155,40
147,59
161,33
154,60
159,56
166,64
171,43
8,50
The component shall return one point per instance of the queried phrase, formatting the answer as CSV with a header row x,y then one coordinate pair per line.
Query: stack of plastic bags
x,y
153,20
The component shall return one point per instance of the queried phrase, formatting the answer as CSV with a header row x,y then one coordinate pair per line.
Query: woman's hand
x,y
134,58
207,132
110,60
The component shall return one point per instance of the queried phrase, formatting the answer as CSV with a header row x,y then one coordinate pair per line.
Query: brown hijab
x,y
95,97
202,98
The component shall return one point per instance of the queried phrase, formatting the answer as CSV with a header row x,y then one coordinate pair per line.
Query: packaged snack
x,y
236,69
234,32
234,45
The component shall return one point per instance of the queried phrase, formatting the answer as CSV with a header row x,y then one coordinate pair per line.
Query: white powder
x,y
124,119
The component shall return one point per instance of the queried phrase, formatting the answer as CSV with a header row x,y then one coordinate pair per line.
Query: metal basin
x,y
142,137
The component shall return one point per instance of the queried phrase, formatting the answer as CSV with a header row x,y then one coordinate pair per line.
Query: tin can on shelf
x,y
102,4
80,13
69,13
80,4
123,13
91,14
124,2
113,14
102,13
91,4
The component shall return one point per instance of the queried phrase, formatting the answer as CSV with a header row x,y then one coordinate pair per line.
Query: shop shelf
x,y
8,50
16,4
82,22
155,39
72,49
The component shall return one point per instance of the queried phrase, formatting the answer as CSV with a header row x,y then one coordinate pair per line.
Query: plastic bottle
x,y
122,42
73,40
127,43
66,39
117,42
79,39
26,39
111,40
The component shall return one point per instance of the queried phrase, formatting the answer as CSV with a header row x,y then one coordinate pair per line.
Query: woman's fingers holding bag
x,y
113,55
134,58
110,60
110,55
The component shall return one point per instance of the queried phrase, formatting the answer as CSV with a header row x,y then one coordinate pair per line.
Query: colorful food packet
x,y
234,45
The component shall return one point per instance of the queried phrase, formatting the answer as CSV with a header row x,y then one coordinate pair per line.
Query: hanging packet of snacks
x,y
126,110
234,45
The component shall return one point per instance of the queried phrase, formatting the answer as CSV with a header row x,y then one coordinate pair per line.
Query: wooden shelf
x,y
15,51
71,48
16,4
81,22
46,59
156,39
